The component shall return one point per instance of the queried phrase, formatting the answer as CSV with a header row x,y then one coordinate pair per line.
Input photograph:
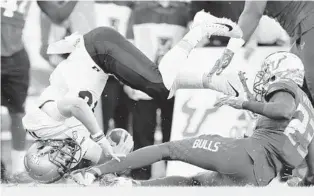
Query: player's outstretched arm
x,y
57,13
281,105
248,22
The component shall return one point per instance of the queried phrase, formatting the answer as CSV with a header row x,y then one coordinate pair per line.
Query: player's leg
x,y
3,173
304,48
109,101
116,55
14,87
144,124
212,152
178,73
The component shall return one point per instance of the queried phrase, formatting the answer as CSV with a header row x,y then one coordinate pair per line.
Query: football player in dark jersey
x,y
296,17
282,137
15,65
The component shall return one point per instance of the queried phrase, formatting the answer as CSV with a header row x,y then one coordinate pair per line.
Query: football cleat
x,y
217,26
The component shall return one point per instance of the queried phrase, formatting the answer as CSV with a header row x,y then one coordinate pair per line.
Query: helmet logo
x,y
74,135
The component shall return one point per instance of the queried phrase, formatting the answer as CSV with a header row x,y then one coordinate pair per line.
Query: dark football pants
x,y
15,81
117,56
304,48
144,124
115,105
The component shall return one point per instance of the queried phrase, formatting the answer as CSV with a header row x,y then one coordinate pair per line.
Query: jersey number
x,y
88,97
300,130
12,6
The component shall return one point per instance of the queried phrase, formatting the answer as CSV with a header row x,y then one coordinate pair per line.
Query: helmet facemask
x,y
63,153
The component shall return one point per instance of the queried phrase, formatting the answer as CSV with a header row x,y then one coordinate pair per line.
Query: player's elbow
x,y
287,115
69,106
284,113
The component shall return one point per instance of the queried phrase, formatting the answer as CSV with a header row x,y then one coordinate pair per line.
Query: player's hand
x,y
107,148
243,80
222,62
82,177
234,102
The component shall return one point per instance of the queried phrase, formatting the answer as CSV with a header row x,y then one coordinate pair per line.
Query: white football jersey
x,y
77,76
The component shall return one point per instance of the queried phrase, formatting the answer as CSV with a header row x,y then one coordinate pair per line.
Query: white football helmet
x,y
278,66
46,161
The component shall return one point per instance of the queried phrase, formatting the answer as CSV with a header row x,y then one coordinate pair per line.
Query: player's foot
x,y
216,26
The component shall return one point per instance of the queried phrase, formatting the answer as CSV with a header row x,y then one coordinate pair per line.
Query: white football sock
x,y
17,161
176,59
188,79
194,36
173,61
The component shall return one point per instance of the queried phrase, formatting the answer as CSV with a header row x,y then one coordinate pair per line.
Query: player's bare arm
x,y
57,13
71,106
77,107
248,22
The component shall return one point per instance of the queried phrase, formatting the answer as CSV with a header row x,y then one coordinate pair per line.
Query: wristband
x,y
97,136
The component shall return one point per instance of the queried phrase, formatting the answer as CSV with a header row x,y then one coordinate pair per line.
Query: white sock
x,y
194,36
173,61
176,58
188,79
17,161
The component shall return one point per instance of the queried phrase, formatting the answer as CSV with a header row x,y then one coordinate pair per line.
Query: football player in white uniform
x,y
63,121
64,111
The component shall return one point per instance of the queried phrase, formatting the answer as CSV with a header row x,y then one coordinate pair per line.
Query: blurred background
x,y
154,27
